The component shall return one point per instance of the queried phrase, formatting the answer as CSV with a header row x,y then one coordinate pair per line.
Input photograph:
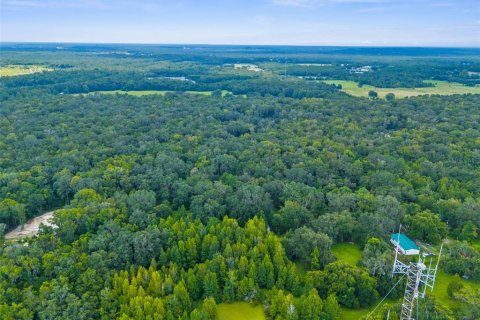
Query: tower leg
x,y
411,291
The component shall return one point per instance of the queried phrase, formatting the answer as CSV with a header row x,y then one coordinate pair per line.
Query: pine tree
x,y
332,308
315,259
311,306
209,309
210,285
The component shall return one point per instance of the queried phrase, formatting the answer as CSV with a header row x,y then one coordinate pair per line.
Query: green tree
x,y
291,216
210,285
332,308
454,286
469,232
209,308
299,244
311,306
12,213
315,259
427,226
390,97
247,201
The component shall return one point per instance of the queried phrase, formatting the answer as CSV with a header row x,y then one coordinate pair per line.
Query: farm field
x,y
139,93
441,88
240,311
17,70
347,252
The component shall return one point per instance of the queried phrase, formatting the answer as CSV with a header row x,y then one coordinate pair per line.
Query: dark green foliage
x,y
454,286
427,226
144,185
469,232
12,213
187,261
301,244
390,97
353,286
462,259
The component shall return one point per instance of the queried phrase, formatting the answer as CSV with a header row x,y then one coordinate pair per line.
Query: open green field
x,y
17,70
240,311
441,87
139,93
347,252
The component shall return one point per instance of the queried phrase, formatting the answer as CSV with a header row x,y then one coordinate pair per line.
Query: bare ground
x,y
30,228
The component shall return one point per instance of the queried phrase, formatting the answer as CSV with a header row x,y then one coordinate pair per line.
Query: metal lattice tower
x,y
419,277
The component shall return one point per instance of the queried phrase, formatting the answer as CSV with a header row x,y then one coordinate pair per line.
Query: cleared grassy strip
x,y
349,314
131,93
17,70
441,285
139,93
240,311
441,87
355,314
247,311
347,252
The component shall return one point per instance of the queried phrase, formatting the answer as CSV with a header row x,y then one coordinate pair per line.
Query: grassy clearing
x,y
441,285
351,254
139,93
349,314
347,252
17,70
131,93
439,292
240,311
441,87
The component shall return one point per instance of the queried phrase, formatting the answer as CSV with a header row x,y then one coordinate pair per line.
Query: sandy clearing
x,y
30,228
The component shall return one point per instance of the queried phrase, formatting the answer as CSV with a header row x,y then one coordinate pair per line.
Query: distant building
x,y
406,245
362,69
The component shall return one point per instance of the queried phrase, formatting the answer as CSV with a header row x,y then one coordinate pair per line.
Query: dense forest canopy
x,y
233,182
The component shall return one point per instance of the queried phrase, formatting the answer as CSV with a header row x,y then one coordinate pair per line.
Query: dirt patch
x,y
30,228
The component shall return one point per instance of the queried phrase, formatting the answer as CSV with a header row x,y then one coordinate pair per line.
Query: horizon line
x,y
248,44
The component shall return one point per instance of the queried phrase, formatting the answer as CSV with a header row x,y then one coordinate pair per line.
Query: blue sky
x,y
295,22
